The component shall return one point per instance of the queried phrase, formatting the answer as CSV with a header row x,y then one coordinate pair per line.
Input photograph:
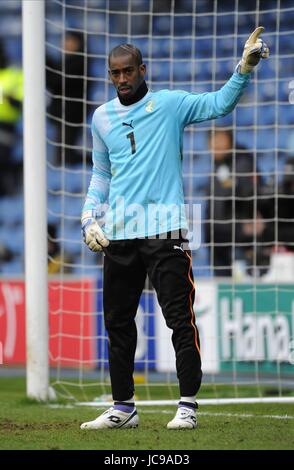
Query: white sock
x,y
188,400
130,400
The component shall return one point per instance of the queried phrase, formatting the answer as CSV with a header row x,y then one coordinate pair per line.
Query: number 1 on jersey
x,y
131,136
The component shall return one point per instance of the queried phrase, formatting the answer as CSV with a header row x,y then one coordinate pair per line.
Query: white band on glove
x,y
254,50
93,234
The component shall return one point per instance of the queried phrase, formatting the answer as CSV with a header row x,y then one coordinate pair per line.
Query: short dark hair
x,y
126,49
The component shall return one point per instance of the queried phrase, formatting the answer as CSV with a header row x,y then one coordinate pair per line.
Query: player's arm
x,y
97,195
194,107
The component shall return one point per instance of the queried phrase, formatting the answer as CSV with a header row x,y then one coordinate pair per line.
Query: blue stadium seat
x,y
54,176
11,211
98,68
203,47
96,44
182,48
244,116
265,139
13,47
225,24
142,44
286,67
227,120
161,25
285,86
225,47
71,239
266,90
224,69
8,8
160,48
96,21
182,25
266,114
203,71
267,70
15,266
204,25
286,42
161,70
286,20
183,86
98,94
14,240
182,70
285,114
75,181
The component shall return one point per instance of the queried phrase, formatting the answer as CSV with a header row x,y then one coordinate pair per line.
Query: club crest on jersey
x,y
150,106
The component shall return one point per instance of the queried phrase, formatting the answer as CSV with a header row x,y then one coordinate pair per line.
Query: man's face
x,y
126,75
220,144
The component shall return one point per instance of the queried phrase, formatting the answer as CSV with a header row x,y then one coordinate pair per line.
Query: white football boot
x,y
185,419
112,418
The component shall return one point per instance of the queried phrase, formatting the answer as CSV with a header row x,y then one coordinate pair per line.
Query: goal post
x,y
246,321
35,195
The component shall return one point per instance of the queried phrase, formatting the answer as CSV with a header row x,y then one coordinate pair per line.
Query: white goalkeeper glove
x,y
254,50
93,234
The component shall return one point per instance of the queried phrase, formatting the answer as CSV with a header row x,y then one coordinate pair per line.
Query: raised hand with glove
x,y
93,234
254,50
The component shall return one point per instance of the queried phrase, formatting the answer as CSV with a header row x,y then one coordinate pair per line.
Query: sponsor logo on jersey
x,y
150,106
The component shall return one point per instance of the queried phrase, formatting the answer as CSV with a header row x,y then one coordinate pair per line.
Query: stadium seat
x,y
182,48
286,68
98,68
245,116
54,182
14,206
182,25
161,25
96,44
142,44
285,114
266,114
71,239
15,266
225,47
16,242
265,139
203,47
161,70
75,181
161,48
204,25
182,70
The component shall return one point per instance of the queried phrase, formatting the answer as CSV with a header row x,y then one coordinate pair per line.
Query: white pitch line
x,y
244,415
227,415
199,413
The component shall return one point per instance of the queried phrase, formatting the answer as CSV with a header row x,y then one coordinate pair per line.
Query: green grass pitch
x,y
28,425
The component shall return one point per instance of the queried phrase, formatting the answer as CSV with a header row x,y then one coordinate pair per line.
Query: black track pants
x,y
126,264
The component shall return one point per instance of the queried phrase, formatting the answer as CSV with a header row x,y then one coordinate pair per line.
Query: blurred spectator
x,y
277,207
235,227
285,208
11,95
5,255
57,261
66,109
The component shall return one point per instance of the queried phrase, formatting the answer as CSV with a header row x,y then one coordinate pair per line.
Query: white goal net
x,y
239,168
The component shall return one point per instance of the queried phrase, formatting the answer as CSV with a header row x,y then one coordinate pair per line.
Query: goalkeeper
x,y
137,175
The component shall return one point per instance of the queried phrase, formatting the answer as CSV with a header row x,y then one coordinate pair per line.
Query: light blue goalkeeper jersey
x,y
136,184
